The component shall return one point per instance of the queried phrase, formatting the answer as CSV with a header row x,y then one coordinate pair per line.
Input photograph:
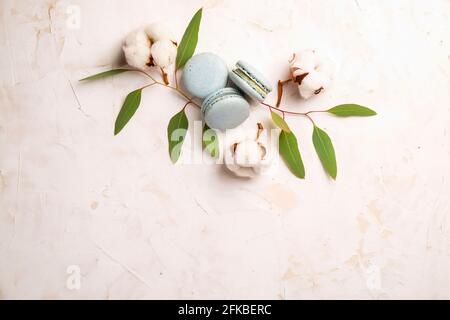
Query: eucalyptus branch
x,y
284,112
176,88
179,124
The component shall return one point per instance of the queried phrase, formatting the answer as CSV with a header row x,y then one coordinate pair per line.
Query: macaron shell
x,y
255,74
245,87
212,98
226,112
250,81
204,74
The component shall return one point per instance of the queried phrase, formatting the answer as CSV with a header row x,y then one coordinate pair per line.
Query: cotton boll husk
x,y
159,31
164,53
137,49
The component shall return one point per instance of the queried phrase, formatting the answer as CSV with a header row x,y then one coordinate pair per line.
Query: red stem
x,y
304,114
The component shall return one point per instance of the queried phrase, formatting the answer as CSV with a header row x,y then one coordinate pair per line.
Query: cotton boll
x,y
248,157
158,31
164,53
304,60
312,72
138,57
137,38
243,172
137,50
248,153
312,84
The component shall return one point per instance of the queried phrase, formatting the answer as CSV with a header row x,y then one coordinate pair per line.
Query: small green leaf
x,y
325,151
105,74
129,108
189,41
350,110
210,141
288,147
176,132
279,121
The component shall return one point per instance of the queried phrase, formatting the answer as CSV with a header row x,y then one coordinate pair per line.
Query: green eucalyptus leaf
x,y
280,122
105,74
176,132
189,41
325,151
210,141
350,110
288,148
129,108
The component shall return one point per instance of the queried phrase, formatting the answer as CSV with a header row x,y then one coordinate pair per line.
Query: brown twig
x,y
260,130
165,76
280,91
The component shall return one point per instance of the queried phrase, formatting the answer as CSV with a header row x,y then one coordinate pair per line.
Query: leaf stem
x,y
284,112
187,103
181,93
147,86
176,88
175,76
146,74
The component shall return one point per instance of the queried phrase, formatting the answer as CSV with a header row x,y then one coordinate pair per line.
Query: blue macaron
x,y
250,80
225,109
204,74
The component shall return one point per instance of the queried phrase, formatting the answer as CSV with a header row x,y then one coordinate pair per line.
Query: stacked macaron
x,y
205,76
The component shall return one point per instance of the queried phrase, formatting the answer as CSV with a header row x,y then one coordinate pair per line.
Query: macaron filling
x,y
246,76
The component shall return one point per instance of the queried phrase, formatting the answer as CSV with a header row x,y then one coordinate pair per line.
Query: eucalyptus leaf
x,y
210,141
176,132
280,122
129,108
105,74
189,41
288,148
325,151
350,110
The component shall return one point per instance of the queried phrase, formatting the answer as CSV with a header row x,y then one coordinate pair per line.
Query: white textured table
x,y
73,198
